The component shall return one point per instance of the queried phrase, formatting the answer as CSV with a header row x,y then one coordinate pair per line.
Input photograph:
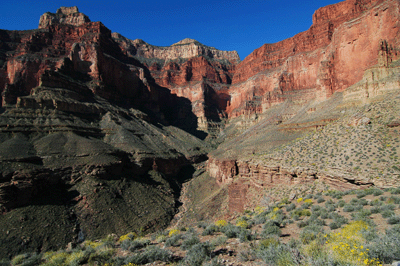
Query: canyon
x,y
99,133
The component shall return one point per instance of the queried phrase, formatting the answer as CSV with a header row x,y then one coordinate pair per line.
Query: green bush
x,y
310,233
290,207
245,235
219,240
393,220
197,254
361,193
173,241
279,254
334,225
210,230
348,208
376,202
341,203
231,231
135,244
271,230
394,191
377,192
387,213
375,209
27,259
149,255
190,241
386,247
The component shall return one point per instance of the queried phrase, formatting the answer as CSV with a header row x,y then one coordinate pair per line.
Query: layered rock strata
x,y
329,57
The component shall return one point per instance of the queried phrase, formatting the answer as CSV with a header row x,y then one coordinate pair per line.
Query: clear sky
x,y
241,25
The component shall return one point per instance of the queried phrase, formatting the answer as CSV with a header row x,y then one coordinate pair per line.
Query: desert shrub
x,y
174,232
210,230
190,241
27,259
354,201
307,204
348,208
316,254
347,246
302,224
338,219
221,223
101,256
245,235
173,241
382,198
299,200
197,254
387,213
271,230
246,255
77,257
316,208
202,224
375,209
316,221
376,202
393,220
338,194
219,240
377,192
277,254
57,258
231,231
361,193
320,199
334,225
394,199
302,212
309,196
290,207
242,223
394,191
310,233
149,255
361,215
130,236
390,207
386,247
135,244
363,202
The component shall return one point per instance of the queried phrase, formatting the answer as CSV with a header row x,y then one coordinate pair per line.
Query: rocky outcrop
x,y
64,15
183,49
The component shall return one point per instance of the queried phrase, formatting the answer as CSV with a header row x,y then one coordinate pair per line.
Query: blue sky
x,y
241,25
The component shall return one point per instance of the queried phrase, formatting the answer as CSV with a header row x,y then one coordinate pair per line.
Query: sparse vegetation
x,y
324,237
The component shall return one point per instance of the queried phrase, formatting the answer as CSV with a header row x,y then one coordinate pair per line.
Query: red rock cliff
x,y
329,57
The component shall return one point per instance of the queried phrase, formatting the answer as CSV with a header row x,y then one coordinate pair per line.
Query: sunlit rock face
x,y
329,57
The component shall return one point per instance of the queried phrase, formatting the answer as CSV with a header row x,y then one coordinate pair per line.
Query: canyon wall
x,y
332,55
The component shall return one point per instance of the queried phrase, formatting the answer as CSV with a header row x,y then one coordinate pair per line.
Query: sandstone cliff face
x,y
329,57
